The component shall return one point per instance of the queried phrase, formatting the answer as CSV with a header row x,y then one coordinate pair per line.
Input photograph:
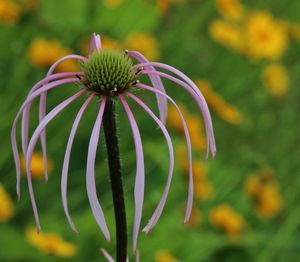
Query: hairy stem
x,y
111,139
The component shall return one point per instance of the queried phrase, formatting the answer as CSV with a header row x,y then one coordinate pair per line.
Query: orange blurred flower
x,y
37,165
227,112
265,192
44,53
231,9
224,217
265,37
203,189
174,120
196,132
50,243
6,205
112,3
9,11
164,256
276,80
143,43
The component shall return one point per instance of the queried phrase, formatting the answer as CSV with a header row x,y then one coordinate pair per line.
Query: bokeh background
x,y
243,55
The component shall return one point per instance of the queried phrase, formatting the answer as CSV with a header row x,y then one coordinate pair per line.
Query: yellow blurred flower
x,y
37,165
275,79
164,256
224,217
227,34
109,43
9,11
44,53
112,3
265,192
144,43
196,132
50,243
6,205
203,189
174,120
227,112
231,9
194,124
265,37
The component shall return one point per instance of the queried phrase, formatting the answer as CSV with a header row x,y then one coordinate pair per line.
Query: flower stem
x,y
111,139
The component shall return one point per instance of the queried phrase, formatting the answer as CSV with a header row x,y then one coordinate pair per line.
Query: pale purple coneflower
x,y
110,76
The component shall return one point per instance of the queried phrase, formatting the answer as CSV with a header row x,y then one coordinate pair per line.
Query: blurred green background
x,y
244,56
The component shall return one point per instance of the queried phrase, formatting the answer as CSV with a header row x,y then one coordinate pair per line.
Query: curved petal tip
x,y
95,43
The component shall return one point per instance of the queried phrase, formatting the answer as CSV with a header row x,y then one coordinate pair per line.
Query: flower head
x,y
107,75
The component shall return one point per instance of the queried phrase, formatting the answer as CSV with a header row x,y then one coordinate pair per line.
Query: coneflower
x,y
108,77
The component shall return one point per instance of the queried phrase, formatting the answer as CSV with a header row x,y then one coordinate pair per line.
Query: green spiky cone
x,y
107,72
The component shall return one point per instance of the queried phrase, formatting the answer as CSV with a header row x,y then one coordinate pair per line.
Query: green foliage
x,y
269,136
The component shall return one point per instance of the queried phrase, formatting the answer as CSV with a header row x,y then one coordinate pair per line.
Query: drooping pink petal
x,y
156,215
42,107
137,256
90,173
64,177
29,99
140,173
95,43
156,82
32,144
198,97
25,117
106,255
189,148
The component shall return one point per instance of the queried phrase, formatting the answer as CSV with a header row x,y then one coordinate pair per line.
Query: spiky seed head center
x,y
107,72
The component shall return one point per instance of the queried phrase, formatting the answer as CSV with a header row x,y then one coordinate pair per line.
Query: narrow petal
x,y
156,215
26,112
156,82
42,113
64,177
106,255
137,256
95,43
140,173
90,173
29,100
189,147
198,97
32,144
42,107
204,107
